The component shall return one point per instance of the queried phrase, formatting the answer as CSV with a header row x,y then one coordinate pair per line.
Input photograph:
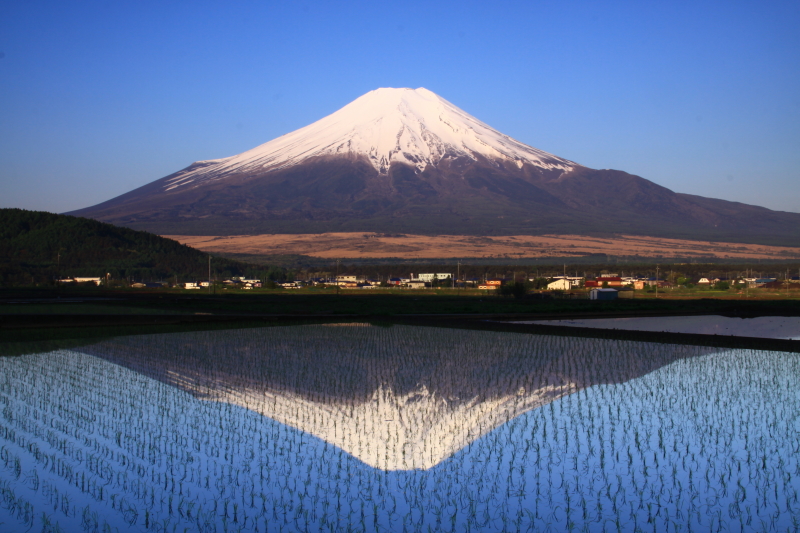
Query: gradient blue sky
x,y
97,98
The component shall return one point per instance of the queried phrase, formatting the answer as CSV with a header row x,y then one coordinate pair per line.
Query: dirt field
x,y
376,245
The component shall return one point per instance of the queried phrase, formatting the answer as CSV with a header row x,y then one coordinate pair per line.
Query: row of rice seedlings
x,y
654,453
419,394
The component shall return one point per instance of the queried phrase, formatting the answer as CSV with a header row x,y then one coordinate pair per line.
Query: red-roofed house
x,y
613,281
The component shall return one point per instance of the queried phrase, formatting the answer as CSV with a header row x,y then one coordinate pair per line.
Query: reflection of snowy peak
x,y
395,432
396,398
412,126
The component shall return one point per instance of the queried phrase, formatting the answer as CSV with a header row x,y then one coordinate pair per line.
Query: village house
x,y
438,276
147,285
574,281
348,278
559,285
96,281
610,281
762,282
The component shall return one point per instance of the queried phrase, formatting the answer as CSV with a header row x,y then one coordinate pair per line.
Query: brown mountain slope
x,y
459,196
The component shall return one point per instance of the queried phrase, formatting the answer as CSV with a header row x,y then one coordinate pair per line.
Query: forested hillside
x,y
38,247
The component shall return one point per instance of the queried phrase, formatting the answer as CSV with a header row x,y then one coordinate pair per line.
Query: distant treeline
x,y
38,247
690,271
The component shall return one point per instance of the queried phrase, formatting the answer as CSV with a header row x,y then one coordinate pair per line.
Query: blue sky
x,y
97,98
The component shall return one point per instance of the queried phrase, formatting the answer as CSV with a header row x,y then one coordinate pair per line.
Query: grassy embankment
x,y
379,302
50,317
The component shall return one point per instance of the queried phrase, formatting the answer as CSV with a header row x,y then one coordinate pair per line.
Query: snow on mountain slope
x,y
413,126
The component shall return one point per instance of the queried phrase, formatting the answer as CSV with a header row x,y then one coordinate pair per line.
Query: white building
x,y
96,281
559,285
574,281
347,278
438,276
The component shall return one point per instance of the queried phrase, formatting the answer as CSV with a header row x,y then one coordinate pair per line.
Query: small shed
x,y
603,294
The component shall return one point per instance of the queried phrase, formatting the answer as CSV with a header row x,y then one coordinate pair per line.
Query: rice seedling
x,y
366,428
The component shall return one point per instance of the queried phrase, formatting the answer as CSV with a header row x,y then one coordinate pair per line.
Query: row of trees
x,y
38,247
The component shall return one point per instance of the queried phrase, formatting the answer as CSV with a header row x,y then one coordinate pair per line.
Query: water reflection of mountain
x,y
397,398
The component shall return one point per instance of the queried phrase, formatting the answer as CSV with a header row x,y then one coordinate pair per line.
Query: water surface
x,y
289,429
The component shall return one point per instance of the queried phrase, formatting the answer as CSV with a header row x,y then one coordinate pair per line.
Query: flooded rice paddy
x,y
768,327
365,428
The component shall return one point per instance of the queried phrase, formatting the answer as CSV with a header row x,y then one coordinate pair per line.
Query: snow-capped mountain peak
x,y
412,126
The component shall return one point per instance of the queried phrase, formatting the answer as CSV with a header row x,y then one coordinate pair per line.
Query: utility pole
x,y
209,274
337,277
657,268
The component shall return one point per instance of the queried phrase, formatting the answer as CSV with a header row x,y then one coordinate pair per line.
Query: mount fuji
x,y
407,160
